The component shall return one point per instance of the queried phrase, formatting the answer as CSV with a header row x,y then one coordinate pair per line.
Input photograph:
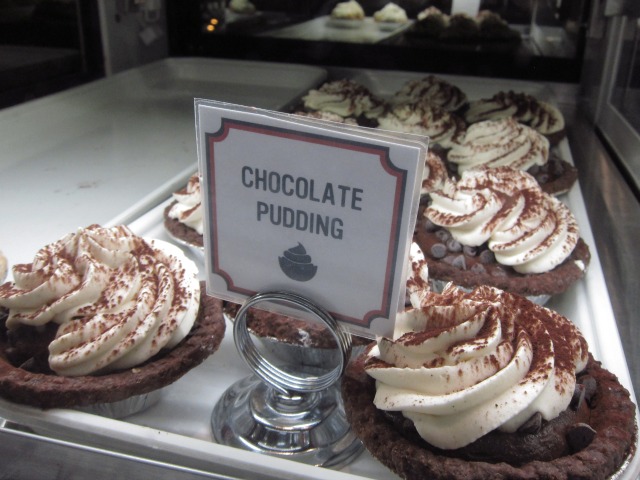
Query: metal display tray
x,y
176,432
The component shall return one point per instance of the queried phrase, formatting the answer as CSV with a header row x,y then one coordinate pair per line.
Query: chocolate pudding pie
x,y
443,128
497,227
434,91
347,99
505,142
527,109
102,317
183,216
486,385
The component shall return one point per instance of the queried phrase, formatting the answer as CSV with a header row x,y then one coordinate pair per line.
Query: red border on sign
x,y
383,155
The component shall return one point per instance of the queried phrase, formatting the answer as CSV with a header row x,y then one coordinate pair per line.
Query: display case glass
x,y
616,107
523,39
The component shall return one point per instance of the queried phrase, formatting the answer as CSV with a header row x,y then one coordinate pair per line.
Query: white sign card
x,y
314,208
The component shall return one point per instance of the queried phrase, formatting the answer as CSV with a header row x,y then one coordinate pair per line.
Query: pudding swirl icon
x,y
296,264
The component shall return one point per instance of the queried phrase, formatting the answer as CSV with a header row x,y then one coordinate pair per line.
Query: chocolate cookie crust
x,y
612,415
46,390
180,230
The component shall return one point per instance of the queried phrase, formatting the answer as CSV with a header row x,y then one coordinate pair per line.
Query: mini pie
x,y
100,316
488,385
497,227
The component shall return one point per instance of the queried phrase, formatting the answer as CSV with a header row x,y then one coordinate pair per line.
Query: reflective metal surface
x,y
294,414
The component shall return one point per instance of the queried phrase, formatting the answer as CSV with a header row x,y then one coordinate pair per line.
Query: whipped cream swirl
x,y
499,143
117,298
431,90
464,364
423,118
188,206
540,115
345,98
434,175
526,228
417,277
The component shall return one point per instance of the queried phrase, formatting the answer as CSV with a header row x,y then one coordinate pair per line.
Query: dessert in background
x,y
434,175
3,267
103,316
487,27
494,28
537,114
497,227
242,6
499,143
391,13
348,99
461,28
432,90
488,385
183,217
443,128
350,10
506,142
431,22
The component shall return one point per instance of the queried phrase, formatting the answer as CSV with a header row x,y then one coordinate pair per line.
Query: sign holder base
x,y
297,415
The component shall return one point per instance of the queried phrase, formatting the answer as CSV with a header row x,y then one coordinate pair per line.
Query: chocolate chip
x,y
478,268
580,436
457,261
486,257
578,397
438,250
453,245
590,386
443,235
470,251
533,425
